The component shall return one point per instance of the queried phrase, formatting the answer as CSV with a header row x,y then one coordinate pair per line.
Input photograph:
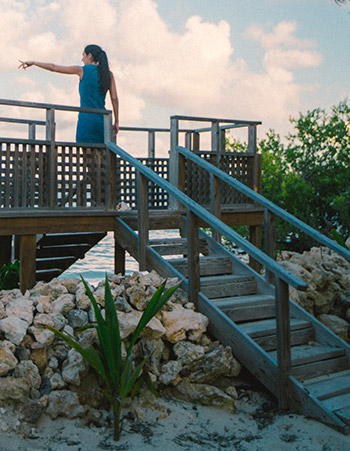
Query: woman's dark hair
x,y
101,59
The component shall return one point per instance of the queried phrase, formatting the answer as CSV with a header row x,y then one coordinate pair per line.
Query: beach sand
x,y
177,425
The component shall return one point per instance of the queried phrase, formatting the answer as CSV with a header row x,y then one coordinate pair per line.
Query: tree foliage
x,y
308,174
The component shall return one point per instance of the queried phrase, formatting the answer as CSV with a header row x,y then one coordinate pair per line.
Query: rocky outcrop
x,y
328,294
41,373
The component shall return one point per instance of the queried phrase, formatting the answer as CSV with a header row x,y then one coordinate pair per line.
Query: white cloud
x,y
157,69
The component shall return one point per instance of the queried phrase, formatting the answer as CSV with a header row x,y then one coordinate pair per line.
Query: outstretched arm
x,y
115,104
73,70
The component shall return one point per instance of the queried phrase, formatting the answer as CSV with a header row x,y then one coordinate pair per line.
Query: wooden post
x,y
255,238
193,257
143,221
27,266
174,159
215,203
215,131
196,141
5,250
270,241
31,131
252,150
188,140
151,144
52,159
110,181
283,341
119,257
108,128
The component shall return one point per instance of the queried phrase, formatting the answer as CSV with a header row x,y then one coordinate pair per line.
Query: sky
x,y
263,60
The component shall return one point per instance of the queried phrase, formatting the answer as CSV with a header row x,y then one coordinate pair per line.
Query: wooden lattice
x,y
239,166
127,183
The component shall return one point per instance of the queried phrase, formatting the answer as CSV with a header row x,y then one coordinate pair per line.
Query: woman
x,y
95,80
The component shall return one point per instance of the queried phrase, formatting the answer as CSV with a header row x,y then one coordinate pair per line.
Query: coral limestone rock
x,y
180,321
14,328
7,359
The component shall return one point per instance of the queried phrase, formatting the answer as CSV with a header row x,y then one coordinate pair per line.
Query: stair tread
x,y
310,353
243,301
268,326
202,259
219,280
329,385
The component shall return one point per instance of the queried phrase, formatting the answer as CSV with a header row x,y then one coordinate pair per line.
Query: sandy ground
x,y
176,425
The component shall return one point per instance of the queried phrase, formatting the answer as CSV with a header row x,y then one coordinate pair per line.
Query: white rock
x,y
63,304
74,368
42,336
14,328
181,321
7,359
27,369
22,308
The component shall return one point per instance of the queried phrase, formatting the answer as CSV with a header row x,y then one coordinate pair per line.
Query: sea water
x,y
100,259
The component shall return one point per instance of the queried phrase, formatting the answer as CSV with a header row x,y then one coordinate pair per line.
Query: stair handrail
x,y
258,198
211,220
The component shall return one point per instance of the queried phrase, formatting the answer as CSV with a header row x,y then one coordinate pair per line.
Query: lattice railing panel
x,y
238,166
127,183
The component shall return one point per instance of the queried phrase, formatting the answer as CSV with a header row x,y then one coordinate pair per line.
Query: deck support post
x,y
52,159
5,250
27,267
174,159
215,203
151,144
283,341
270,241
119,257
193,257
255,238
143,219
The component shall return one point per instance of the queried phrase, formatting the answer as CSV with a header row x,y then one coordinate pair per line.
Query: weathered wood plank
x,y
344,415
311,353
208,265
243,301
268,327
27,262
251,313
330,385
338,402
223,286
297,337
176,246
314,369
193,257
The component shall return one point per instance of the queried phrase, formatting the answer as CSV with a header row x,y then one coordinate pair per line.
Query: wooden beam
x,y
5,250
143,221
255,238
119,256
193,257
27,265
283,341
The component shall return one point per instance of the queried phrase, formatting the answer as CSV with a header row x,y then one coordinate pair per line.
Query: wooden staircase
x,y
57,252
241,308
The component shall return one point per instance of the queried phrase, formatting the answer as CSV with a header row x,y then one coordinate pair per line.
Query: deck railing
x,y
52,174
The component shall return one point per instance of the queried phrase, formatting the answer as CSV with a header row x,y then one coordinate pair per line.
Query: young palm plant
x,y
120,375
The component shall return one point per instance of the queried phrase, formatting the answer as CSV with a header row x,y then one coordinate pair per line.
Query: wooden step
x,y
247,308
311,353
77,251
268,327
297,337
330,385
208,265
340,405
229,285
57,262
47,275
71,238
176,246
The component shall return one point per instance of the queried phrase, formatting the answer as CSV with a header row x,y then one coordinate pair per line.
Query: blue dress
x,y
90,127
